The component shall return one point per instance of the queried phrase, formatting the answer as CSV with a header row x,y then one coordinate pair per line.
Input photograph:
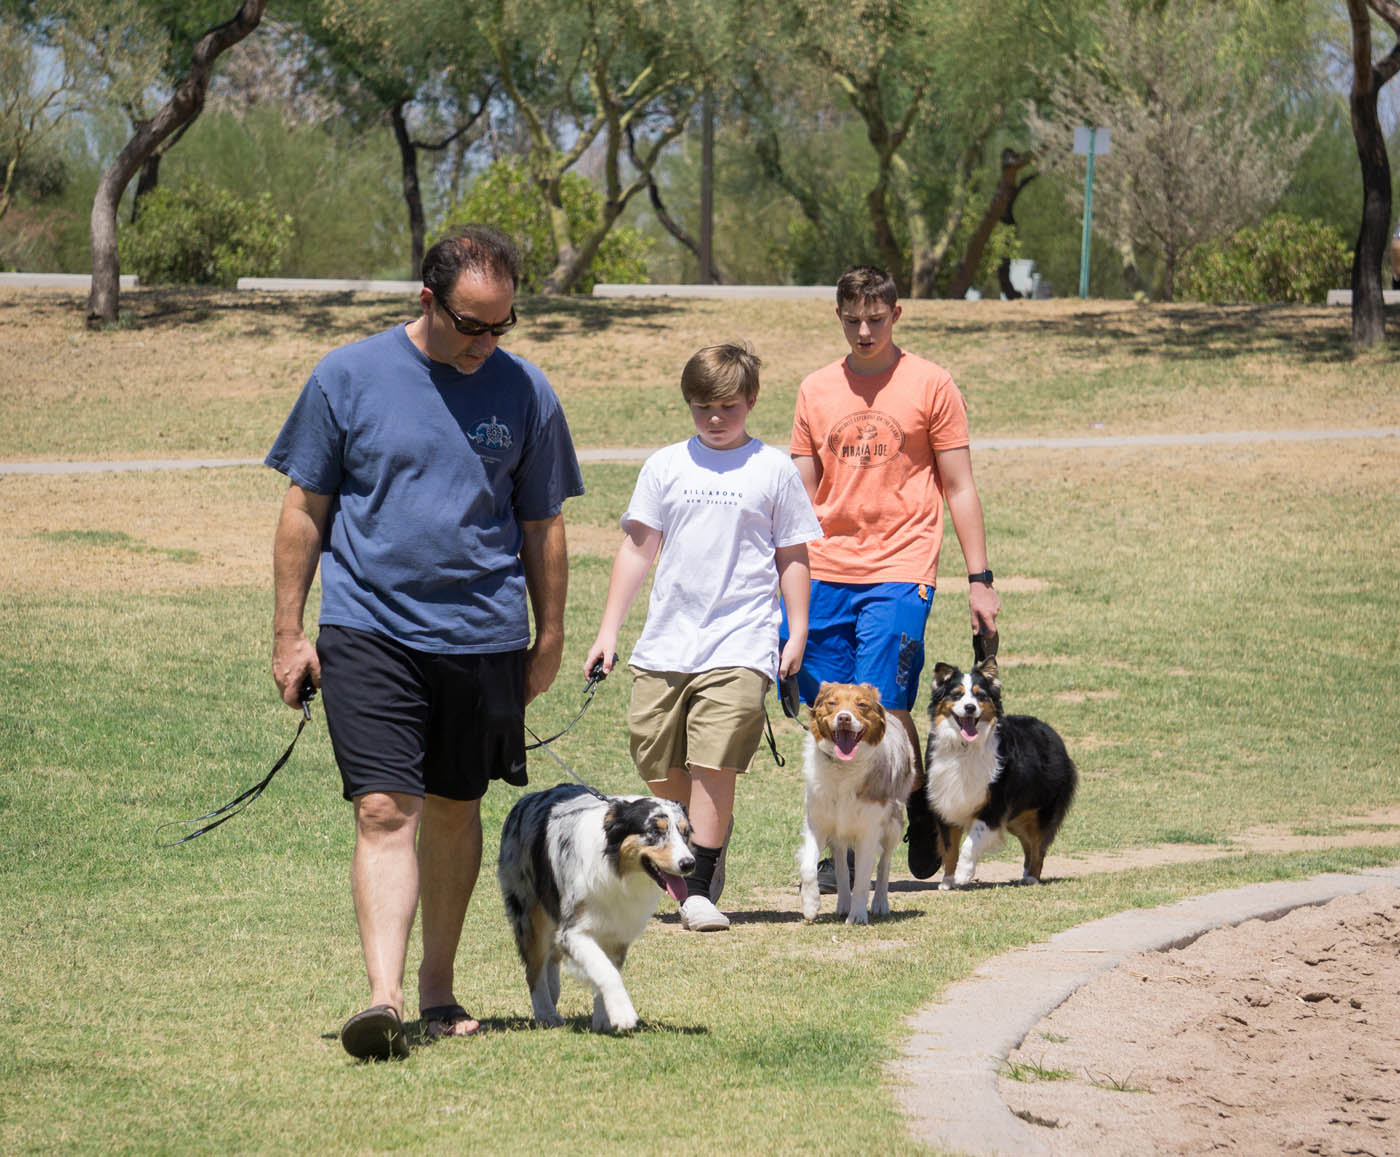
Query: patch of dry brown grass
x,y
197,373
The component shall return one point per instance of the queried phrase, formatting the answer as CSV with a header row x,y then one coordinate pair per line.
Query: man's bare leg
x,y
449,860
384,884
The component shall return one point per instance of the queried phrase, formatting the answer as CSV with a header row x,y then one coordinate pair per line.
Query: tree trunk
x,y
412,193
1008,218
1012,163
179,111
1367,296
147,182
669,223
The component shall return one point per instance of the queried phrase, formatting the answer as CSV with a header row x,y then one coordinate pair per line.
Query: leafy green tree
x,y
200,234
1200,145
507,197
170,121
579,77
429,77
36,101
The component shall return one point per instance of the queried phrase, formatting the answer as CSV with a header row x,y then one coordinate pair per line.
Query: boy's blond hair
x,y
721,371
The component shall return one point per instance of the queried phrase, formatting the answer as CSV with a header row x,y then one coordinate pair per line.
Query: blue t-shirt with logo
x,y
432,472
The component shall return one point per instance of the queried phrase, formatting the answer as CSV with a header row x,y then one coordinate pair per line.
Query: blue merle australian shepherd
x,y
581,876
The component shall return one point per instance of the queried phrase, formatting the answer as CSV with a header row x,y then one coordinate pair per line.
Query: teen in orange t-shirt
x,y
880,440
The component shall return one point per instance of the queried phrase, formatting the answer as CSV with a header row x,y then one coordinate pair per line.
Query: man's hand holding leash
x,y
294,663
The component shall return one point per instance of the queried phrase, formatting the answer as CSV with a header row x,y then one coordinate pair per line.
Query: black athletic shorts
x,y
418,722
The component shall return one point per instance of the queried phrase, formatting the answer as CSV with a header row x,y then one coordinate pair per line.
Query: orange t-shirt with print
x,y
878,493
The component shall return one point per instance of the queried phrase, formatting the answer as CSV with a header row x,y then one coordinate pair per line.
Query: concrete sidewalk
x,y
947,1079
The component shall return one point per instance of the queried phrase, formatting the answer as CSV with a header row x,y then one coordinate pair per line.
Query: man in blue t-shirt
x,y
428,472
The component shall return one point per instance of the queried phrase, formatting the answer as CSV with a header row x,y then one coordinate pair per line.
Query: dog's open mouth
x,y
968,723
674,886
845,739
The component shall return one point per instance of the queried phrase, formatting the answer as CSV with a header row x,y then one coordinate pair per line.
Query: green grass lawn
x,y
1211,630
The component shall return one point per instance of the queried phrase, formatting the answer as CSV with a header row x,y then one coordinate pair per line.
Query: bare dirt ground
x,y
1269,1037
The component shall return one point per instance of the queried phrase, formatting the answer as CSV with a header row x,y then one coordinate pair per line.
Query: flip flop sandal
x,y
375,1034
448,1014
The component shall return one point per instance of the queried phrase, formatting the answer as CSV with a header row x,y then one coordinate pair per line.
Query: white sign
x,y
1083,136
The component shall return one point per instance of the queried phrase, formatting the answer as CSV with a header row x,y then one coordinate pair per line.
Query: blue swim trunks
x,y
866,633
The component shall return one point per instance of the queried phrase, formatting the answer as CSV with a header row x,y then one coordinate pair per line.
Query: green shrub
x,y
1283,259
200,234
505,196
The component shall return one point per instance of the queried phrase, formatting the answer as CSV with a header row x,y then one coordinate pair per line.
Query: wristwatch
x,y
982,576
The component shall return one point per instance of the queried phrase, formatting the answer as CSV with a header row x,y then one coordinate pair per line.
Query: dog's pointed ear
x,y
942,672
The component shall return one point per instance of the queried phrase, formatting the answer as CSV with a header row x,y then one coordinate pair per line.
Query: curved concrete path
x,y
947,1079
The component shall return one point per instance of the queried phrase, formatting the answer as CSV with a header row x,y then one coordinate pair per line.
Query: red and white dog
x,y
859,770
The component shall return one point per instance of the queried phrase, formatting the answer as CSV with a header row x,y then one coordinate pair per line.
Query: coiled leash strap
x,y
223,814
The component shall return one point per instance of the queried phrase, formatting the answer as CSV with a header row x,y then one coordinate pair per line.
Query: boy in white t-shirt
x,y
731,520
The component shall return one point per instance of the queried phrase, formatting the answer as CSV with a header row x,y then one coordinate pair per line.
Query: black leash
x,y
596,675
791,703
223,814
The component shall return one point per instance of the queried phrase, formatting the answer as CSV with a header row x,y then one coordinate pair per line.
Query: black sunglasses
x,y
472,328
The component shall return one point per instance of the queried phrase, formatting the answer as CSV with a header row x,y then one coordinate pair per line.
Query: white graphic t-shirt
x,y
722,515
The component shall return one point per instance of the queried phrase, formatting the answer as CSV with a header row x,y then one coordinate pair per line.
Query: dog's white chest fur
x,y
960,774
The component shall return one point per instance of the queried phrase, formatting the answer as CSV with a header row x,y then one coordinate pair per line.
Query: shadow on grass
x,y
1186,331
975,886
417,1034
341,314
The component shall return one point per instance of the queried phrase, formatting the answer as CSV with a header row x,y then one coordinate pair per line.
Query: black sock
x,y
698,882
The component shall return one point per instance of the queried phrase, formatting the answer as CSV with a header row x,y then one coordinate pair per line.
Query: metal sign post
x,y
1088,142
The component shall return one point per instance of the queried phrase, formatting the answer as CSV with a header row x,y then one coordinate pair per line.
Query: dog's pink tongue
x,y
845,743
676,888
969,727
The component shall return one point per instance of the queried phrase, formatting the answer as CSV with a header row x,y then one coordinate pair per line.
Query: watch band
x,y
982,576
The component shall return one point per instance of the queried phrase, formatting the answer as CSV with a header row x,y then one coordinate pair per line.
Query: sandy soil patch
x,y
1270,1037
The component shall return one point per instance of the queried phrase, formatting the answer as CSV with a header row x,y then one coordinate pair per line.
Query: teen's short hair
x,y
481,249
721,371
866,283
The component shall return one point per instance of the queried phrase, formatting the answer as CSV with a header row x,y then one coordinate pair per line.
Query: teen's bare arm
x,y
296,552
795,583
965,509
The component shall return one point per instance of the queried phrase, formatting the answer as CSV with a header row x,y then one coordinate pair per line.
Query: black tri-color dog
x,y
581,875
990,773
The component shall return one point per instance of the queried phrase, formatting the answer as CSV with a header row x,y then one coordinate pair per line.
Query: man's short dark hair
x,y
480,249
866,283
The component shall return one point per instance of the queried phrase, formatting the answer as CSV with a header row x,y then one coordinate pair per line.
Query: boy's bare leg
x,y
711,804
449,859
384,884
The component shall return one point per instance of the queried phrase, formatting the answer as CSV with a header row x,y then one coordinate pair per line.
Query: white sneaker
x,y
699,915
